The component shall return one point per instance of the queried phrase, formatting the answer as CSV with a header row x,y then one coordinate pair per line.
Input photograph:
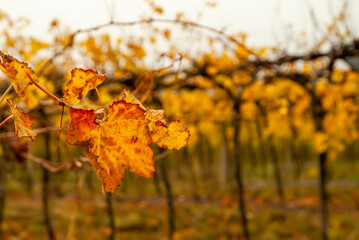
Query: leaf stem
x,y
59,133
99,98
8,118
57,100
5,93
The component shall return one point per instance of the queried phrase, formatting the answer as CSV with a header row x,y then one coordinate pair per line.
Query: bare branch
x,y
143,22
52,167
162,155
9,135
7,119
6,93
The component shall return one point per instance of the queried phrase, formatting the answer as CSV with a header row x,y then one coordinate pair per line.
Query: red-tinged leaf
x,y
81,125
122,141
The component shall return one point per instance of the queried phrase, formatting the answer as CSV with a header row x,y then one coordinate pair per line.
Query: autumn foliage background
x,y
257,142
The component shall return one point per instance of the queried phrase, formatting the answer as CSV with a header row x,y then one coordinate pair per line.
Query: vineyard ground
x,y
140,212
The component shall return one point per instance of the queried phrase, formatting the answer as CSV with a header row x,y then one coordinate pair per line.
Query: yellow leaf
x,y
129,98
109,179
122,141
320,142
31,98
23,124
82,81
16,72
155,116
212,70
241,77
137,51
175,136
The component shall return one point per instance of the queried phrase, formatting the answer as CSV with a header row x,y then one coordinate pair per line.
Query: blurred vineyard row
x,y
256,116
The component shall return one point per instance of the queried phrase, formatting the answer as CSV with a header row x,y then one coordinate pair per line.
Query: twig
x,y
162,155
178,59
51,166
57,100
8,118
160,20
5,93
59,133
99,98
9,135
46,130
2,54
141,22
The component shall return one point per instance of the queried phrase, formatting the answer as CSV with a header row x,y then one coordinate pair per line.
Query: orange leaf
x,y
82,81
109,179
175,136
122,141
167,34
16,72
159,10
81,125
23,124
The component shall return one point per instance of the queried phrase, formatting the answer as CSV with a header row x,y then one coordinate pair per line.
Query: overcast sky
x,y
264,21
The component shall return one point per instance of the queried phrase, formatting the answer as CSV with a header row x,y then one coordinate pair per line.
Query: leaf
x,y
175,136
23,124
16,72
320,142
33,94
82,81
109,180
81,125
151,114
137,51
155,116
159,10
129,98
167,34
122,141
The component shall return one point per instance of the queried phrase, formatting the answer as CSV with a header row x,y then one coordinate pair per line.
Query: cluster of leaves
x,y
122,138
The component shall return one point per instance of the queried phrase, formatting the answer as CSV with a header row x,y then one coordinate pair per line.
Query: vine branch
x,y
52,167
185,23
